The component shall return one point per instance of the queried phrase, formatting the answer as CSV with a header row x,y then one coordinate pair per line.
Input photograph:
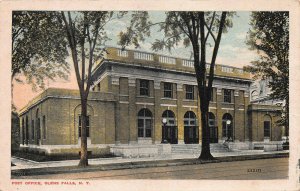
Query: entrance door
x,y
191,135
169,128
169,134
191,131
213,134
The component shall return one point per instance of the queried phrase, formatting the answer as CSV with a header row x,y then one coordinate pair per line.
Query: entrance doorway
x,y
213,135
191,130
169,128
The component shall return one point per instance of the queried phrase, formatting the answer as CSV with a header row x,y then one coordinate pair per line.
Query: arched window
x,y
227,126
189,119
170,116
267,126
191,132
144,123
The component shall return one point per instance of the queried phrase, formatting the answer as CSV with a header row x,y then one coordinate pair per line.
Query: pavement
x,y
27,167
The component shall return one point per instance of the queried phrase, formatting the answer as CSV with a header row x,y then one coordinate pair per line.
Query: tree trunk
x,y
83,154
205,151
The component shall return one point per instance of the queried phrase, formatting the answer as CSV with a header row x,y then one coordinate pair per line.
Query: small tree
x,y
86,36
269,35
195,29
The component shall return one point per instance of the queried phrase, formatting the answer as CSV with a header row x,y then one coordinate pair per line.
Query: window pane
x,y
171,122
148,132
266,128
140,123
168,90
227,96
189,92
140,132
186,122
144,87
148,123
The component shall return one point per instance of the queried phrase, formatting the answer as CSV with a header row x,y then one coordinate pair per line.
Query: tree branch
x,y
215,51
211,24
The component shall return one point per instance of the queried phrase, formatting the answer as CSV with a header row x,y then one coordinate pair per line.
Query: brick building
x,y
139,100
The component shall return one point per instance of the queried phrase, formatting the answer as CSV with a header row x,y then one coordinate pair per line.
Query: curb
x,y
139,164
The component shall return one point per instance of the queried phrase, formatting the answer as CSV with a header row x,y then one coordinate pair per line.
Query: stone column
x,y
180,114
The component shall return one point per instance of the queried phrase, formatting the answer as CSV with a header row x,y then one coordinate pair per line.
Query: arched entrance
x,y
169,128
191,130
227,127
213,128
144,123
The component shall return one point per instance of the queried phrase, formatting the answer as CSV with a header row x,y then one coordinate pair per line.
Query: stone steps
x,y
196,148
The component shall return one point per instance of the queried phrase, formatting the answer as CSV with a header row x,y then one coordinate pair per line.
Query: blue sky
x,y
233,51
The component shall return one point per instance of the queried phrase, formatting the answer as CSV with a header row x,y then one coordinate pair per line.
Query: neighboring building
x,y
140,99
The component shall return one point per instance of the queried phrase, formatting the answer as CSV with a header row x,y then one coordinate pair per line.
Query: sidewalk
x,y
23,165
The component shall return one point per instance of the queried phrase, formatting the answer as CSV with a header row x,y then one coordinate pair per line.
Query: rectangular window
x,y
168,90
189,92
144,87
87,126
44,127
267,129
227,96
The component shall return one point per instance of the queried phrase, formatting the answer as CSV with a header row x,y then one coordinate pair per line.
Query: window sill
x,y
166,98
227,103
189,100
140,96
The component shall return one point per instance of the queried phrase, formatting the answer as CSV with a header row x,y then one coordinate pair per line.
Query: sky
x,y
233,51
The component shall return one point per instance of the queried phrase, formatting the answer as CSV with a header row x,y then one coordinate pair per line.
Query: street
x,y
276,168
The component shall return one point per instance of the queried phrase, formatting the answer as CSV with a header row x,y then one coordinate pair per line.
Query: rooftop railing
x,y
179,63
